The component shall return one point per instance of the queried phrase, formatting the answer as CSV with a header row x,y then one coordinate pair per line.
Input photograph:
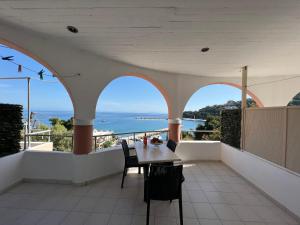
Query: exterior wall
x,y
279,183
10,170
199,150
97,165
67,167
78,169
49,166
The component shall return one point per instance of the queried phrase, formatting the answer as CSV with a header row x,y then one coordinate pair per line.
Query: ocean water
x,y
119,122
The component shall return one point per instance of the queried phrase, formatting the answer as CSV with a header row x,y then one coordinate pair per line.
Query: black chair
x,y
164,183
130,161
171,145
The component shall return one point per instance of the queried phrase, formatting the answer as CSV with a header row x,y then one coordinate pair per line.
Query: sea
x,y
119,122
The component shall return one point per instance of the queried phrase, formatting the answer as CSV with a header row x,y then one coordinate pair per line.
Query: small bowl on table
x,y
156,141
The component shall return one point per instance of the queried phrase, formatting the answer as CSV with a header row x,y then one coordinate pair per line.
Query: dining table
x,y
153,154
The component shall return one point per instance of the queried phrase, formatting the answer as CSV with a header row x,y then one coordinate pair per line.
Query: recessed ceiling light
x,y
206,49
72,29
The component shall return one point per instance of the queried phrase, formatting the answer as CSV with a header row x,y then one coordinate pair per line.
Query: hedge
x,y
231,127
10,128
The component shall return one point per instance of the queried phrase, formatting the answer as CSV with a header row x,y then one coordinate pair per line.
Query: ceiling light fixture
x,y
72,29
206,49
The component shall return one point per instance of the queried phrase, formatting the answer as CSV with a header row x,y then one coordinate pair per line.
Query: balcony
x,y
212,194
223,186
179,47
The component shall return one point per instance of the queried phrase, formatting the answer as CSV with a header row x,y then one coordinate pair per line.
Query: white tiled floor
x,y
212,195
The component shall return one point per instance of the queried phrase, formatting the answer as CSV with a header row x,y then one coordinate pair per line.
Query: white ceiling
x,y
168,34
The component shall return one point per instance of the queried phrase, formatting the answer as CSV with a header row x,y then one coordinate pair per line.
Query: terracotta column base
x,y
83,139
174,131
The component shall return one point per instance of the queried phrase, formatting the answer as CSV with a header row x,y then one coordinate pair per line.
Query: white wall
x,y
199,150
97,165
42,165
279,183
67,167
10,170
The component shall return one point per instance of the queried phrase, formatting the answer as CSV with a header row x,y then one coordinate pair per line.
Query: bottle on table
x,y
145,139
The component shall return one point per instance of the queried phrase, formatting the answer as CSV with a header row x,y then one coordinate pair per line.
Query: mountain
x,y
215,110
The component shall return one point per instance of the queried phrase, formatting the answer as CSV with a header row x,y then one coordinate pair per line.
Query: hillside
x,y
215,110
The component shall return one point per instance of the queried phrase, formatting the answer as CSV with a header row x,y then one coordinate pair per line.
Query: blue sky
x,y
125,94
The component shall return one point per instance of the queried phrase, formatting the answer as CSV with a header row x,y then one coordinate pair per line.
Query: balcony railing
x,y
104,141
66,142
193,135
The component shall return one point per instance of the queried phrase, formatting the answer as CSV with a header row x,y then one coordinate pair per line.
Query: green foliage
x,y
10,128
186,135
107,144
231,127
59,139
295,101
211,123
40,127
68,124
215,110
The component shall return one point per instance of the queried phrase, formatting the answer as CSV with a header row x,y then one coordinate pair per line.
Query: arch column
x,y
83,136
175,129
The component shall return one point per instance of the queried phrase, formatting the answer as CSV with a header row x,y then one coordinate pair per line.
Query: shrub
x,y
10,128
231,127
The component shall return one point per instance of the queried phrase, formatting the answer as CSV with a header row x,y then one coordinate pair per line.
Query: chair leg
x,y
139,170
180,210
148,210
124,174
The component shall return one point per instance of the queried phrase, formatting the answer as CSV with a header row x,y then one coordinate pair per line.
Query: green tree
x,y
215,110
211,123
60,141
54,121
107,144
39,128
68,124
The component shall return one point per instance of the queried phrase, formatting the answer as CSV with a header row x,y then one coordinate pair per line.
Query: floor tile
x,y
214,197
120,219
189,221
210,222
68,203
53,218
141,220
31,217
86,204
225,212
75,218
204,211
124,206
165,221
97,219
105,205
197,196
246,213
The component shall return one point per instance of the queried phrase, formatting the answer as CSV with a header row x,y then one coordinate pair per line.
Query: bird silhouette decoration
x,y
8,58
41,74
